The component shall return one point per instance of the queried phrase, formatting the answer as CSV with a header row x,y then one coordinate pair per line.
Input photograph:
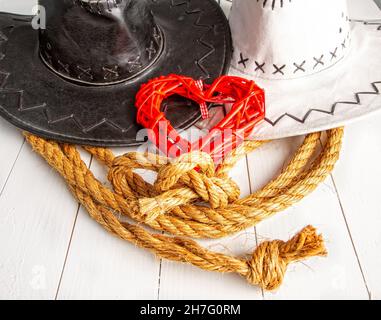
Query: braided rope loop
x,y
185,203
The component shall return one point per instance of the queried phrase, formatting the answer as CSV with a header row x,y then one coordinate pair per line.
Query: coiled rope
x,y
187,203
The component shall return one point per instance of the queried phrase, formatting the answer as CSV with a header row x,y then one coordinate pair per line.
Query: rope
x,y
185,202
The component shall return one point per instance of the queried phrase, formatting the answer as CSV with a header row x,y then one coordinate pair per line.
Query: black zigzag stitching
x,y
45,110
43,107
88,129
376,23
273,3
357,101
201,40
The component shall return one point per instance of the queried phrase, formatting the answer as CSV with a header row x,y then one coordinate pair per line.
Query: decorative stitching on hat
x,y
189,10
319,61
76,72
135,64
151,51
374,24
370,23
48,58
64,66
88,129
243,60
44,108
316,61
260,66
273,3
312,64
111,73
299,67
357,101
279,69
334,53
85,73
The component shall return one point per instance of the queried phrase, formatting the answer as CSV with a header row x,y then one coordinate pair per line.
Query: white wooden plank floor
x,y
51,249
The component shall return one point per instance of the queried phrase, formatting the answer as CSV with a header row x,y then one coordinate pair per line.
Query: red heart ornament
x,y
247,109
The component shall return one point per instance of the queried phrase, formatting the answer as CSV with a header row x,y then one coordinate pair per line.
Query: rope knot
x,y
179,182
196,171
195,220
188,178
270,260
124,180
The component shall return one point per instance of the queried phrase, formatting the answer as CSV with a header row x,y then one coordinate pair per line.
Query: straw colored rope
x,y
185,202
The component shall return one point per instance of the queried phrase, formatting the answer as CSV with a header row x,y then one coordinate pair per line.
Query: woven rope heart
x,y
247,102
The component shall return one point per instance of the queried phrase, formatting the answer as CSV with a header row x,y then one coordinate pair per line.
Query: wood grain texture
x,y
180,281
358,182
100,266
10,148
36,218
338,275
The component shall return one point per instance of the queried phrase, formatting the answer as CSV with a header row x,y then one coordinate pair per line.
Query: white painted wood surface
x,y
51,249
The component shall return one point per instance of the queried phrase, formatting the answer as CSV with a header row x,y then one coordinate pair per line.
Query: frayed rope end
x,y
270,260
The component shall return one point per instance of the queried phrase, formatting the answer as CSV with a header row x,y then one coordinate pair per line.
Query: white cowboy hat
x,y
319,65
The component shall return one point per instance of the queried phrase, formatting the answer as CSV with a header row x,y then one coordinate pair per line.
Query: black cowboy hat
x,y
76,80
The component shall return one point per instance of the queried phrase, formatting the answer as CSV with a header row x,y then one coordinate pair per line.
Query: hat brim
x,y
348,91
35,99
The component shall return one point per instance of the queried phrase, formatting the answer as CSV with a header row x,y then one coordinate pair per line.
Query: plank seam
x,y
69,245
255,228
12,167
351,238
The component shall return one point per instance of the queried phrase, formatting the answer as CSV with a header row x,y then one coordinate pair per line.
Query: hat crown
x,y
285,39
99,42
